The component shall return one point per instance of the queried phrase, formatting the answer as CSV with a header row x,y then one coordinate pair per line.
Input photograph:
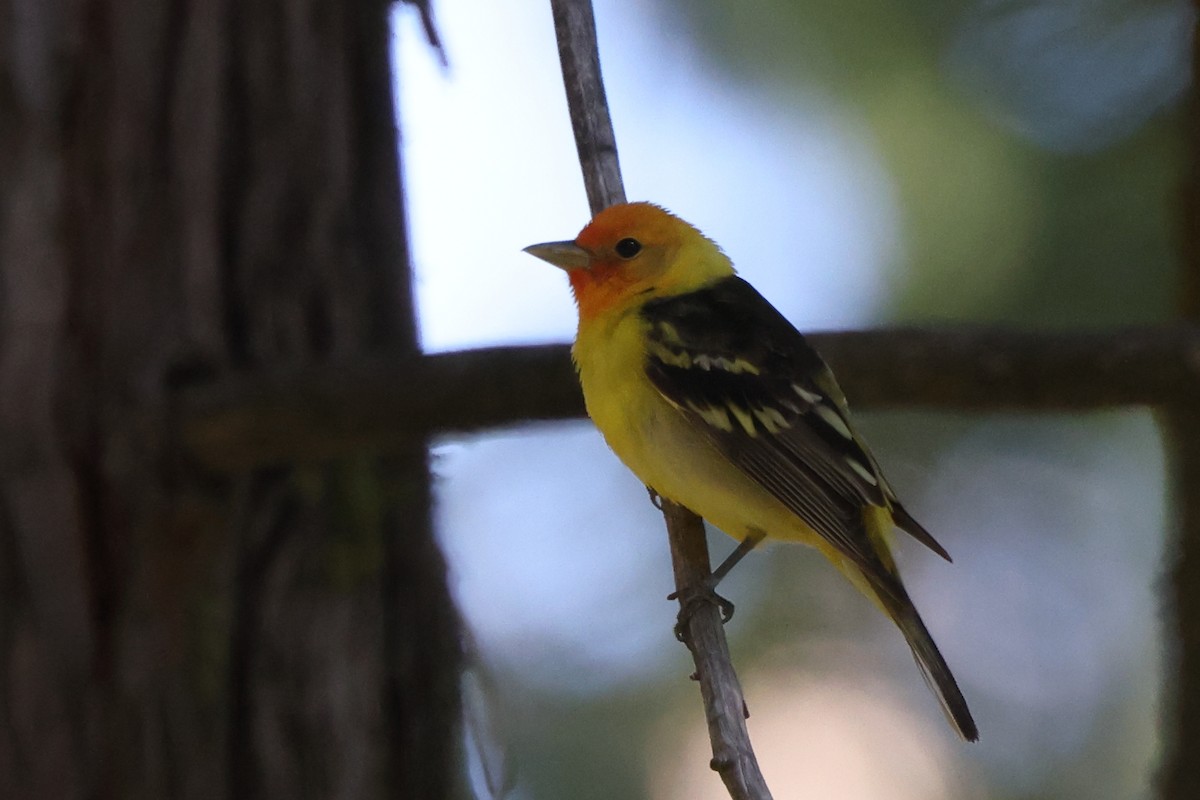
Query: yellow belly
x,y
663,448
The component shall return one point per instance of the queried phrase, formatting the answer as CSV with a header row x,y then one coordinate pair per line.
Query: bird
x,y
716,402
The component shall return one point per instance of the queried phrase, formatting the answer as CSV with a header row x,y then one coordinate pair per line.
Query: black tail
x,y
937,674
906,523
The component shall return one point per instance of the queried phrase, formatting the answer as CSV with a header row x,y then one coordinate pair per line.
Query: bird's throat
x,y
600,290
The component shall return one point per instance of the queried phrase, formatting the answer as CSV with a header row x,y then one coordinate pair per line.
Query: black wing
x,y
746,377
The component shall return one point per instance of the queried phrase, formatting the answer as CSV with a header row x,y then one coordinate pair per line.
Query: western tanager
x,y
716,402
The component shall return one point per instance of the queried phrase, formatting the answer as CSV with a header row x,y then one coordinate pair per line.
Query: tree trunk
x,y
189,189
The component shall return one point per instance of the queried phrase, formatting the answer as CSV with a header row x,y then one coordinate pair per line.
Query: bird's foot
x,y
693,598
655,498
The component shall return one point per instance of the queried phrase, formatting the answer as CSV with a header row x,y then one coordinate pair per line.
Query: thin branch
x,y
733,755
337,410
575,27
425,10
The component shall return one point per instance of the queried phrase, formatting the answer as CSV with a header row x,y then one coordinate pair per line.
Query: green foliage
x,y
1078,234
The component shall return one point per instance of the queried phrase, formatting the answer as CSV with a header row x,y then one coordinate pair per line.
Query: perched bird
x,y
716,402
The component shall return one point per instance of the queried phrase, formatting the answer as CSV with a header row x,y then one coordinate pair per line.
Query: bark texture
x,y
190,190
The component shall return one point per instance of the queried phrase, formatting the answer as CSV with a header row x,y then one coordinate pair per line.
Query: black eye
x,y
628,248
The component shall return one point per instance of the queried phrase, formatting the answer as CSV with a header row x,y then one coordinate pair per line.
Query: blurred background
x,y
865,163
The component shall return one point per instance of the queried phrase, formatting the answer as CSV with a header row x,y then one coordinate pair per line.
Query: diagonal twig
x,y
575,29
733,756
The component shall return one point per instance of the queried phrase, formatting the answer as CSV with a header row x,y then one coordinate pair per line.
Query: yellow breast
x,y
663,448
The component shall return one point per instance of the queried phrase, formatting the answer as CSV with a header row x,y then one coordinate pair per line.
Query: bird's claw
x,y
655,498
690,600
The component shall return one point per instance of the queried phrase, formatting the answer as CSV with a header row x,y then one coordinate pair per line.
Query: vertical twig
x,y
575,27
733,756
1181,768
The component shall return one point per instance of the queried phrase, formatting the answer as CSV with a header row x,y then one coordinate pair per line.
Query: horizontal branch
x,y
993,369
333,410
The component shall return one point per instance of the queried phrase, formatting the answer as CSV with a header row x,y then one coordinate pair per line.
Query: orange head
x,y
633,252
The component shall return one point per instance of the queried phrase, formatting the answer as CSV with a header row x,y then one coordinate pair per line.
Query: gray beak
x,y
564,255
